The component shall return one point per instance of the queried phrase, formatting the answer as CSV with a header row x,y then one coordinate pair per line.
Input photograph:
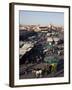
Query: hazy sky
x,y
41,17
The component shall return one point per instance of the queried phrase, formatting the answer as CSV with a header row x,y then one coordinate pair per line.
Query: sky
x,y
40,17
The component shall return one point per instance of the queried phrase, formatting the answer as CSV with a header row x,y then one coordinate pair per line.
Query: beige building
x,y
56,40
50,40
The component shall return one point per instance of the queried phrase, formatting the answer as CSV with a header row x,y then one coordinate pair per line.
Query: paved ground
x,y
29,73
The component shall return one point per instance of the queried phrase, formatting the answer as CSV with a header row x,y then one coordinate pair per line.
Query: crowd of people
x,y
42,51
